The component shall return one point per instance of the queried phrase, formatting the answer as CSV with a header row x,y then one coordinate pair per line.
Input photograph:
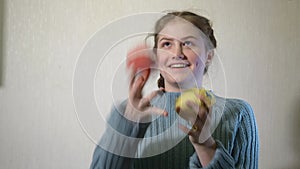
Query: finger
x,y
144,102
136,90
131,76
204,109
205,100
154,93
205,131
190,132
198,124
203,113
183,128
189,113
135,73
194,106
156,110
145,72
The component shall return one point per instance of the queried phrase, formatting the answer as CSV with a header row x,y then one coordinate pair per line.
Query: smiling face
x,y
181,55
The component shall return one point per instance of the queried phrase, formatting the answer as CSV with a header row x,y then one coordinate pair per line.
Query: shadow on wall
x,y
2,2
295,129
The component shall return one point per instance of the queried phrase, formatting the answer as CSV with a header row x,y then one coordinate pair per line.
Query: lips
x,y
179,65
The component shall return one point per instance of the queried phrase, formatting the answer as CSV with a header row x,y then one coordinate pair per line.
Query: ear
x,y
210,54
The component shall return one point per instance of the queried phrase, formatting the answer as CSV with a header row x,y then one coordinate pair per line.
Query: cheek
x,y
161,59
160,62
193,57
199,62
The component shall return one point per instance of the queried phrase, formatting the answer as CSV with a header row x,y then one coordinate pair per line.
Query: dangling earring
x,y
205,69
161,81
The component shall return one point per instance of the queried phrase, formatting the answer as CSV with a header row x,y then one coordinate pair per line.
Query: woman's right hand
x,y
138,107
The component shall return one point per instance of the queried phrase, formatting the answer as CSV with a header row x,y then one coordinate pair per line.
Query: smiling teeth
x,y
179,66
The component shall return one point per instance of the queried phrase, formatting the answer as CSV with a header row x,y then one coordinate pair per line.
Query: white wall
x,y
258,45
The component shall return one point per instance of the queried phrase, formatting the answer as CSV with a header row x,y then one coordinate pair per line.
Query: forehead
x,y
180,28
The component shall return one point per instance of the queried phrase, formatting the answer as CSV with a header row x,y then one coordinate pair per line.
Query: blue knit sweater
x,y
162,145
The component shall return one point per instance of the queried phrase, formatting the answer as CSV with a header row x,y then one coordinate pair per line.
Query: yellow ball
x,y
187,112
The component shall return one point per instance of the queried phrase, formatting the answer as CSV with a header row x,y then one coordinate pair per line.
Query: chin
x,y
184,82
187,85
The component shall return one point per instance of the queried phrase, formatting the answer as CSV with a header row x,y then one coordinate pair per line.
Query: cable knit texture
x,y
165,146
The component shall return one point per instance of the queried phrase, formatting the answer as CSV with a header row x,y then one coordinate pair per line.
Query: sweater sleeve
x,y
118,144
243,154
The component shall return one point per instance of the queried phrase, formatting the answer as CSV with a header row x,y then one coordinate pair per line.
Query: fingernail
x,y
177,110
140,78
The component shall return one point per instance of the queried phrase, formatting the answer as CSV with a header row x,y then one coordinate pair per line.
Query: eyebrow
x,y
170,39
189,37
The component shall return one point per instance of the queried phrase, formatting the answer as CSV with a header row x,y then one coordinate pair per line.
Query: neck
x,y
177,87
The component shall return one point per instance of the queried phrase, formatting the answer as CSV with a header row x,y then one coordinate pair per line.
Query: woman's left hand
x,y
200,134
200,130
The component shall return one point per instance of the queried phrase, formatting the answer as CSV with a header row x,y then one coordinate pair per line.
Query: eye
x,y
187,43
166,44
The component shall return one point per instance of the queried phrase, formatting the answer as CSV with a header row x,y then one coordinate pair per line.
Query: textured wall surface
x,y
41,40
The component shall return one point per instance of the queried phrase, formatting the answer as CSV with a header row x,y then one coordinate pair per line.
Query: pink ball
x,y
139,60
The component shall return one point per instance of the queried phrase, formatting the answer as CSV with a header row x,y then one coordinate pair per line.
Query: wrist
x,y
205,151
136,116
210,143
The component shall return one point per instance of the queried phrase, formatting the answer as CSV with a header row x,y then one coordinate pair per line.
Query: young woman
x,y
146,132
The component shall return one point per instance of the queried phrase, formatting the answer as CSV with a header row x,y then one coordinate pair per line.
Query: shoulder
x,y
236,118
233,108
238,105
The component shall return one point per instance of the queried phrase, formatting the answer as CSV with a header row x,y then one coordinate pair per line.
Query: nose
x,y
178,53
